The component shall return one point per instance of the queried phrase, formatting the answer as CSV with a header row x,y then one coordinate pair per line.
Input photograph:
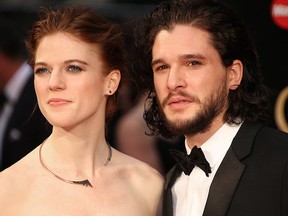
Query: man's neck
x,y
201,137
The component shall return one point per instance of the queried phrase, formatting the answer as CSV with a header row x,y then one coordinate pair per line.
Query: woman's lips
x,y
58,101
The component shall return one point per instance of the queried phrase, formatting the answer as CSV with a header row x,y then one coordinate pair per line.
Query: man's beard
x,y
209,110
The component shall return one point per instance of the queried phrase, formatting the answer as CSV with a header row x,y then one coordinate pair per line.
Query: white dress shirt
x,y
12,90
190,192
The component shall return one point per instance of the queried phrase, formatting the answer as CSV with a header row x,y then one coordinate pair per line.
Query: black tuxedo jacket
x,y
24,130
252,179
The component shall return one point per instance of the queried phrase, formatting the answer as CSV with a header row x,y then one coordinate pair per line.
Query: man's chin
x,y
179,118
188,126
177,126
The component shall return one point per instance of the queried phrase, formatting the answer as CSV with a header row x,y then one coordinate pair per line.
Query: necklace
x,y
85,182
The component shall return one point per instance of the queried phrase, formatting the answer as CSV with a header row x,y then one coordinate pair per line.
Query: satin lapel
x,y
230,171
171,177
223,185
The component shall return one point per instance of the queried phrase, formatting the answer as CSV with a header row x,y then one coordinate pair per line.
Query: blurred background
x,y
267,21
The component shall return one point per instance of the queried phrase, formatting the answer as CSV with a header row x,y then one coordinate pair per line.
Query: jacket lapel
x,y
223,185
230,171
171,177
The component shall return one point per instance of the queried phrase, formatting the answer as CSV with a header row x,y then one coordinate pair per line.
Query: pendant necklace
x,y
85,182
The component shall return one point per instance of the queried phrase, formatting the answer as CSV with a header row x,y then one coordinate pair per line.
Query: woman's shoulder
x,y
17,176
143,181
133,166
137,174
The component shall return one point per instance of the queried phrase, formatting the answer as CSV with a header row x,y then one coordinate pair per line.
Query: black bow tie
x,y
188,162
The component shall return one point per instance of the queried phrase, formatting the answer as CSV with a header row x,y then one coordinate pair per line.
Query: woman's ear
x,y
235,74
112,80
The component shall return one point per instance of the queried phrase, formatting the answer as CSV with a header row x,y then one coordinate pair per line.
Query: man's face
x,y
190,80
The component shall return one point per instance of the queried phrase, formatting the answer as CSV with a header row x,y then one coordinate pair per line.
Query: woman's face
x,y
70,84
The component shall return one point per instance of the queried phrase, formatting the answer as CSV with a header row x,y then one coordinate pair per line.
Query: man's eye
x,y
41,70
193,63
74,68
162,67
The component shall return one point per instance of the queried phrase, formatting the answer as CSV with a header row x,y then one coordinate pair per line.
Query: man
x,y
205,84
22,126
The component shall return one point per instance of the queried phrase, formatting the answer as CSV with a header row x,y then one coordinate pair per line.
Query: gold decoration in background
x,y
280,116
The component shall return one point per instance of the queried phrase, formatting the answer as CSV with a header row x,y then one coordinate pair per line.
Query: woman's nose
x,y
56,81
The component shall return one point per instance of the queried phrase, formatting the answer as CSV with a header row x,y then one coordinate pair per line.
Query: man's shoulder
x,y
262,130
268,132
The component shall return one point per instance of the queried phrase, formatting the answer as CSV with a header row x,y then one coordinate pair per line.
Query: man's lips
x,y
177,100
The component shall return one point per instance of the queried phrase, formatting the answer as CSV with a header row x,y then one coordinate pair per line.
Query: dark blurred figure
x,y
21,128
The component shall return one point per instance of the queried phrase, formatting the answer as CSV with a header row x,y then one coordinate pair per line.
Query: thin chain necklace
x,y
83,182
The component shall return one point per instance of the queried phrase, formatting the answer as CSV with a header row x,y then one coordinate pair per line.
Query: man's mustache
x,y
192,98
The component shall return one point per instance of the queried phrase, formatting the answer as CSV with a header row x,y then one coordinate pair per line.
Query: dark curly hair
x,y
249,102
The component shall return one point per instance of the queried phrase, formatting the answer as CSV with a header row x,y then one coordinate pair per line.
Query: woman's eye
x,y
74,68
41,70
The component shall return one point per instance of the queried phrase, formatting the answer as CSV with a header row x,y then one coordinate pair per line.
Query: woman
x,y
78,60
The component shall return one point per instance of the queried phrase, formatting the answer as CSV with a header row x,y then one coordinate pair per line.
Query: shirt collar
x,y
217,145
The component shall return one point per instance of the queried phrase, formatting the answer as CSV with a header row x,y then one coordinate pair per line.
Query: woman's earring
x,y
234,87
110,92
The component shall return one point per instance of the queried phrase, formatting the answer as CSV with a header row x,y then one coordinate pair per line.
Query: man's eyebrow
x,y
156,61
189,56
181,57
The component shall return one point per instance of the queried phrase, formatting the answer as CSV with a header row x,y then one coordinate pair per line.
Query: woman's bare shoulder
x,y
144,182
137,173
19,174
133,165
